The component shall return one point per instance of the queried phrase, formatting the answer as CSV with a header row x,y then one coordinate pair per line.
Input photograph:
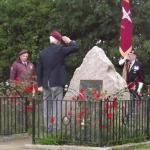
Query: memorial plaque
x,y
96,84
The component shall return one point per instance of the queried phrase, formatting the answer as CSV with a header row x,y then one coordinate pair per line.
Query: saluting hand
x,y
40,89
66,39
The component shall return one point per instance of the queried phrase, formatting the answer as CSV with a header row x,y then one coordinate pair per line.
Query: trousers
x,y
52,107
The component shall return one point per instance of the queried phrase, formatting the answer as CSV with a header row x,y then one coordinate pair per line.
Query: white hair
x,y
53,40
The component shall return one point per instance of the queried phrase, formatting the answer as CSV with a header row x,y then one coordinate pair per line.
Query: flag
x,y
125,29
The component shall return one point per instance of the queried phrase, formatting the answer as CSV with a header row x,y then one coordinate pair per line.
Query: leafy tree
x,y
22,25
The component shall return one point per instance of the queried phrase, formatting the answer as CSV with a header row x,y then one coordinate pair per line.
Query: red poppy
x,y
52,120
74,98
96,96
78,118
82,111
81,97
28,107
29,88
109,115
69,113
106,106
81,90
94,92
17,80
113,104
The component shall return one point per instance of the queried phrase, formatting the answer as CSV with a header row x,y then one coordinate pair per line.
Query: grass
x,y
138,146
56,139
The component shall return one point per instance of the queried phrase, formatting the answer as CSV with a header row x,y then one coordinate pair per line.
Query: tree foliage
x,y
27,23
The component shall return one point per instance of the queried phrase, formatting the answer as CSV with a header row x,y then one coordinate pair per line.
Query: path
x,y
15,144
20,142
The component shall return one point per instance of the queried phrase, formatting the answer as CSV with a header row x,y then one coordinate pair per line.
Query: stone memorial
x,y
97,66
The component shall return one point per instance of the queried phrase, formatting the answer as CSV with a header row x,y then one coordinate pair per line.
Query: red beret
x,y
56,35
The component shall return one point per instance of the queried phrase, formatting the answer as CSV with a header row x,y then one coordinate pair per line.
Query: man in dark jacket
x,y
134,71
51,75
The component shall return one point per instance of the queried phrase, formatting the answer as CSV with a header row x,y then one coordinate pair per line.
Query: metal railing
x,y
13,115
96,123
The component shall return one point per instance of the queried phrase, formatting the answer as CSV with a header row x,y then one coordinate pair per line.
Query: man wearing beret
x,y
22,69
51,75
134,76
134,71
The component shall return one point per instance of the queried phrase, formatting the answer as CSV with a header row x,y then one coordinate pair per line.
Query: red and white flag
x,y
125,29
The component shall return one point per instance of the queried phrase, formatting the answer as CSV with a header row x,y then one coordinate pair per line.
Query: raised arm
x,y
71,45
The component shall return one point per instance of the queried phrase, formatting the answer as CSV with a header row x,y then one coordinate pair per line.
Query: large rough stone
x,y
96,66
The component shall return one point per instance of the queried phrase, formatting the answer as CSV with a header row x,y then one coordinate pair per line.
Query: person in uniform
x,y
133,71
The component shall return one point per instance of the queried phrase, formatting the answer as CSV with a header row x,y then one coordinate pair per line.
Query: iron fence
x,y
13,115
95,123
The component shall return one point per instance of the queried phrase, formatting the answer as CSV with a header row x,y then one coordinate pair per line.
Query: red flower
x,y
74,98
78,118
82,111
106,106
28,107
81,96
82,91
114,103
80,114
70,113
52,119
96,96
29,88
109,115
94,92
17,80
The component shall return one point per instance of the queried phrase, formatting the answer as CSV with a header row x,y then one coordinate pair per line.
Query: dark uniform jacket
x,y
135,74
50,67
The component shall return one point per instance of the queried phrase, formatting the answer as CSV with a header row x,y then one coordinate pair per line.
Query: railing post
x,y
0,116
33,120
148,119
26,115
101,104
